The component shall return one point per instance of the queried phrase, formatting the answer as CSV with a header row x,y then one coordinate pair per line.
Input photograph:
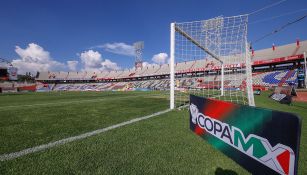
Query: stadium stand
x,y
198,65
126,73
276,67
75,75
43,76
184,66
90,75
275,78
150,70
102,75
164,69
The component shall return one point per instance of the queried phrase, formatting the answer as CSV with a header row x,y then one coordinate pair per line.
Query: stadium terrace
x,y
270,68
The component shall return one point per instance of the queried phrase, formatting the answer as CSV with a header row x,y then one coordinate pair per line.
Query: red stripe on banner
x,y
199,131
284,160
218,109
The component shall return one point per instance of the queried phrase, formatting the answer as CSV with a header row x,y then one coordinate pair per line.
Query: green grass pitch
x,y
160,145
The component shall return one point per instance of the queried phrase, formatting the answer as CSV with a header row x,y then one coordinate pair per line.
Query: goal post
x,y
172,67
210,58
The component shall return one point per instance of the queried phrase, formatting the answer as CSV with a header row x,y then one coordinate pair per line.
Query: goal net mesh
x,y
211,60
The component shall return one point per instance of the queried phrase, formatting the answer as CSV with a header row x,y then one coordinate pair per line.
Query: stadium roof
x,y
280,51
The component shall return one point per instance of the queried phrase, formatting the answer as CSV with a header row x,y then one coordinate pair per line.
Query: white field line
x,y
183,106
10,156
67,102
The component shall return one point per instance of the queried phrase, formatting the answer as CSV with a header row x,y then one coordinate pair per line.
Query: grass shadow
x,y
221,171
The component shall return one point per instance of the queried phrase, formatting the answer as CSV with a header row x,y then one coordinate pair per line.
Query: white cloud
x,y
72,65
160,58
34,58
109,65
118,48
33,53
93,61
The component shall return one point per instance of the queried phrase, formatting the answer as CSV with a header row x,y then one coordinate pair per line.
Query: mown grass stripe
x,y
43,147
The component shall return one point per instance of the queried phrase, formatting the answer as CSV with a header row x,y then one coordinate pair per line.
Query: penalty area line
x,y
14,155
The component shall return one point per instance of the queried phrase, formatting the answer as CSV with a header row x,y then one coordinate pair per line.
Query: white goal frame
x,y
173,30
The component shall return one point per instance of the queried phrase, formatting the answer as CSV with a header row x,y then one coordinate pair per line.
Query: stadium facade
x,y
274,66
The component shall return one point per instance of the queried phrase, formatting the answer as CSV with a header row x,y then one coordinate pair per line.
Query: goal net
x,y
210,58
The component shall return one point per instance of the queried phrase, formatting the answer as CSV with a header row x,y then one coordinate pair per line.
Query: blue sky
x,y
64,29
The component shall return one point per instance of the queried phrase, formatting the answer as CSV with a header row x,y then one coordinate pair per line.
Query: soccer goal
x,y
210,58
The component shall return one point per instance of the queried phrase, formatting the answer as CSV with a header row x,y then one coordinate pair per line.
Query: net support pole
x,y
222,80
172,68
305,65
249,80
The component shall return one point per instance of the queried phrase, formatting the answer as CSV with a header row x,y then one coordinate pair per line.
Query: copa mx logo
x,y
280,158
